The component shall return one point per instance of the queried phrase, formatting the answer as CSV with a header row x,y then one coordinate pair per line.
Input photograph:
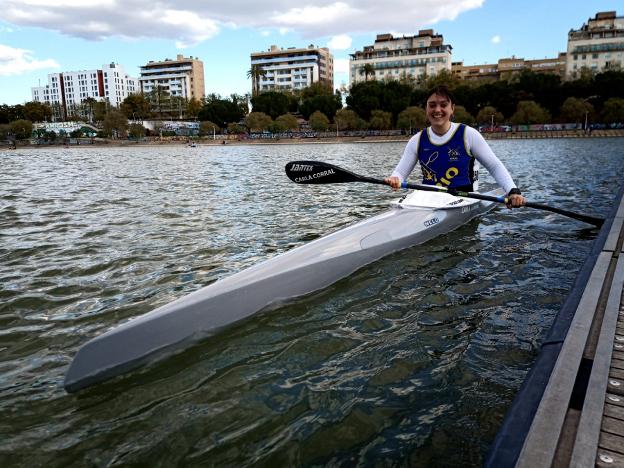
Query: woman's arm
x,y
408,160
484,154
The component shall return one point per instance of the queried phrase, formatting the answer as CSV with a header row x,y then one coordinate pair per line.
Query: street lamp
x,y
492,124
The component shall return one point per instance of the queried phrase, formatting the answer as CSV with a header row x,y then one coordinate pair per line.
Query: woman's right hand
x,y
393,182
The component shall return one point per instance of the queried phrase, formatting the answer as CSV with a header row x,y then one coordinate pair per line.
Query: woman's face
x,y
439,110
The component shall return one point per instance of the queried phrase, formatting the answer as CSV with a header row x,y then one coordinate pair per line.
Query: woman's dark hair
x,y
441,91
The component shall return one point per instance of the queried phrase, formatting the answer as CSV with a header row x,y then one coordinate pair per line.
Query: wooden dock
x,y
570,409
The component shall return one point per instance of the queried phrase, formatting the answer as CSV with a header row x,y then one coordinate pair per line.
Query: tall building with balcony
x,y
66,91
413,57
182,77
598,45
292,68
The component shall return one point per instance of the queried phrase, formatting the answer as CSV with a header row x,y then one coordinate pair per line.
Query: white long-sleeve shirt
x,y
475,145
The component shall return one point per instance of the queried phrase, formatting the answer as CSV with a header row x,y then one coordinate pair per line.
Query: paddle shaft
x,y
315,172
503,199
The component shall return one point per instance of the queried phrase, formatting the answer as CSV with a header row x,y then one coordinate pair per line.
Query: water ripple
x,y
412,360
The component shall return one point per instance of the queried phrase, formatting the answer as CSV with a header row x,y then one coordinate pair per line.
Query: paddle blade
x,y
316,172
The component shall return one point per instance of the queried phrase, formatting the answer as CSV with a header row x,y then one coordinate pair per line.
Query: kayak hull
x,y
300,271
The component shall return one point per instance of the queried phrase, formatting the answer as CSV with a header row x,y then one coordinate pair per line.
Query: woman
x,y
447,152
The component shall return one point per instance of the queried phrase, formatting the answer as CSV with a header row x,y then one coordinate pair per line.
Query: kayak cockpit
x,y
432,200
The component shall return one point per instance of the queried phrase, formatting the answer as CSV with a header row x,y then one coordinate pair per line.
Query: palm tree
x,y
255,73
367,69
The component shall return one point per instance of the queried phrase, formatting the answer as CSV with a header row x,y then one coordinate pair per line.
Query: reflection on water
x,y
413,359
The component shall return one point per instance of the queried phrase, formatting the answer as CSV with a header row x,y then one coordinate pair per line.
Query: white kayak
x,y
417,218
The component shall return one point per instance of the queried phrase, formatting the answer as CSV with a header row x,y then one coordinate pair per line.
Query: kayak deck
x,y
300,271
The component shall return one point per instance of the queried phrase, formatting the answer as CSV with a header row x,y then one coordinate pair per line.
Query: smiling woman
x,y
449,153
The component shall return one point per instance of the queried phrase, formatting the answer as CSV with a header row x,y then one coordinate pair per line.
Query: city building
x,y
66,91
598,45
292,68
506,68
182,77
411,57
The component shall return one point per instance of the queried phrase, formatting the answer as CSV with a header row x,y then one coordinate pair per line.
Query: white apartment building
x,y
67,90
182,77
598,45
391,57
293,68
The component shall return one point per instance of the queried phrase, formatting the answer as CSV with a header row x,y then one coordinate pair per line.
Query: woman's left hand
x,y
515,201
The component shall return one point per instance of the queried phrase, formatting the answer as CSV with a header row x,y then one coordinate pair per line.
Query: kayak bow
x,y
412,220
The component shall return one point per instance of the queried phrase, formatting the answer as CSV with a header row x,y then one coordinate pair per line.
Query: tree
x,y
461,115
575,110
391,96
236,128
208,128
193,107
88,105
115,124
160,100
37,112
258,121
327,103
220,111
346,119
5,131
99,110
277,127
489,115
529,112
242,101
22,129
380,120
613,110
412,117
255,73
271,103
289,122
137,131
319,121
316,89
367,69
136,106
442,78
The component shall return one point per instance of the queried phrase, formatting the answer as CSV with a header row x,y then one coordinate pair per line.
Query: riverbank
x,y
237,140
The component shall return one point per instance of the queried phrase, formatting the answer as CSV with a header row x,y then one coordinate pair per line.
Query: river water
x,y
412,360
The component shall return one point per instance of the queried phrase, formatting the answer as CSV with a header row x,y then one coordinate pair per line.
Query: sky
x,y
38,37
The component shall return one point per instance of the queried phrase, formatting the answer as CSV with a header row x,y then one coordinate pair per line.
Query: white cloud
x,y
15,61
340,42
341,65
265,33
496,39
190,22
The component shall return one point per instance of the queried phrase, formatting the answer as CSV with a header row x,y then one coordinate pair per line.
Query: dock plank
x,y
614,411
613,426
609,459
611,442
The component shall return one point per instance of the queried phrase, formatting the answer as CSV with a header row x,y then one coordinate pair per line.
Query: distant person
x,y
447,152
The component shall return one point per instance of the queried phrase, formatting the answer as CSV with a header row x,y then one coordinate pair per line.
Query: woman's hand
x,y
393,182
515,201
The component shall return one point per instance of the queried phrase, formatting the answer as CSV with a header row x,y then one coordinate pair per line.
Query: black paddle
x,y
315,172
